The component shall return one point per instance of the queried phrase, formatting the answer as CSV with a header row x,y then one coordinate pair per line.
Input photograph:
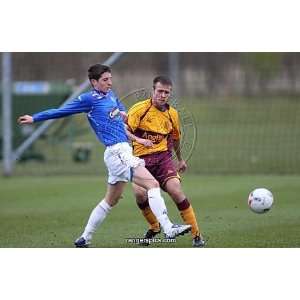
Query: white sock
x,y
96,218
158,207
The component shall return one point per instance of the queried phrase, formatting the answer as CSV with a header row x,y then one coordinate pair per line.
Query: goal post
x,y
7,114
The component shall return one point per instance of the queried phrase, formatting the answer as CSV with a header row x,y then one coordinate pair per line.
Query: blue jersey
x,y
102,112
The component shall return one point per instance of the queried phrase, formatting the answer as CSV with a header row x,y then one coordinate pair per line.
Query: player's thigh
x,y
143,178
114,192
174,189
140,193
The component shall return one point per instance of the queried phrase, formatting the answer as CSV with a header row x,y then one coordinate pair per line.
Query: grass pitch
x,y
52,211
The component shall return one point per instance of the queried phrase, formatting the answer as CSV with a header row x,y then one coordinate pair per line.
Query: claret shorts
x,y
161,166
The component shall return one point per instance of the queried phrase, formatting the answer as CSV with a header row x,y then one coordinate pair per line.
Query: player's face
x,y
161,94
104,83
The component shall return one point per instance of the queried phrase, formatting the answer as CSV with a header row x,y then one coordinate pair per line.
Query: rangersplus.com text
x,y
149,241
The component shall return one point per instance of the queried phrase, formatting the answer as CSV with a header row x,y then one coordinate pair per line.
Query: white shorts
x,y
120,161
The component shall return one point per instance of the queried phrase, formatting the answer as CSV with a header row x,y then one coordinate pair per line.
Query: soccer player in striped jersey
x,y
155,128
104,112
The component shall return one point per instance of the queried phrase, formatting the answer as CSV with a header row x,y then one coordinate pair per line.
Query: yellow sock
x,y
188,216
151,219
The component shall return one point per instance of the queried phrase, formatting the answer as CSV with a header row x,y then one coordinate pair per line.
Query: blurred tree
x,y
261,65
291,63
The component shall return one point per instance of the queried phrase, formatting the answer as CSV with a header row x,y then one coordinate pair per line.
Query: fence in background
x,y
244,133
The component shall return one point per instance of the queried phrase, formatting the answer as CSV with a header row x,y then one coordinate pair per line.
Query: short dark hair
x,y
95,71
163,80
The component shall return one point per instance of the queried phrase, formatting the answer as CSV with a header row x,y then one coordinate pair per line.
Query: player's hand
x,y
124,116
182,166
26,119
144,142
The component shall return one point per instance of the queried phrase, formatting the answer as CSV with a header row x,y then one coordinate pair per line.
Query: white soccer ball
x,y
260,200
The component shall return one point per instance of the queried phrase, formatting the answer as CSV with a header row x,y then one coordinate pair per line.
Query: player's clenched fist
x,y
26,119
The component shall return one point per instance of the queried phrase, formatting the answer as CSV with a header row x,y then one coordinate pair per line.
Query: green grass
x,y
52,211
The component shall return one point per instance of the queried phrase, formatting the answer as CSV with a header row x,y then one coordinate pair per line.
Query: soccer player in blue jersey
x,y
104,112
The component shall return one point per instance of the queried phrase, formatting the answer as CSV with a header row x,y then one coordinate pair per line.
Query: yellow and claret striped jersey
x,y
148,122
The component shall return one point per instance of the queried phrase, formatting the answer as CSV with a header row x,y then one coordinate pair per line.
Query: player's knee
x,y
177,194
113,200
175,191
153,184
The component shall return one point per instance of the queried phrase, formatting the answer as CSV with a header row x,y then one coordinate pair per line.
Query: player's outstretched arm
x,y
81,104
134,138
26,119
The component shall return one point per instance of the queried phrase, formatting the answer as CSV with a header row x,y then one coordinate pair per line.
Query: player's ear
x,y
93,82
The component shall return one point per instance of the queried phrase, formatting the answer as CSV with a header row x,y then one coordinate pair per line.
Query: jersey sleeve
x,y
134,116
75,106
175,133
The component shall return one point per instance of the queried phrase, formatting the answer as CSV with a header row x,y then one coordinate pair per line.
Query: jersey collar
x,y
101,94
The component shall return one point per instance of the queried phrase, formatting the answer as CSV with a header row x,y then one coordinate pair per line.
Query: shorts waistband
x,y
117,145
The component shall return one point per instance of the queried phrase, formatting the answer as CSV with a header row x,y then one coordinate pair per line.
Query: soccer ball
x,y
260,200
